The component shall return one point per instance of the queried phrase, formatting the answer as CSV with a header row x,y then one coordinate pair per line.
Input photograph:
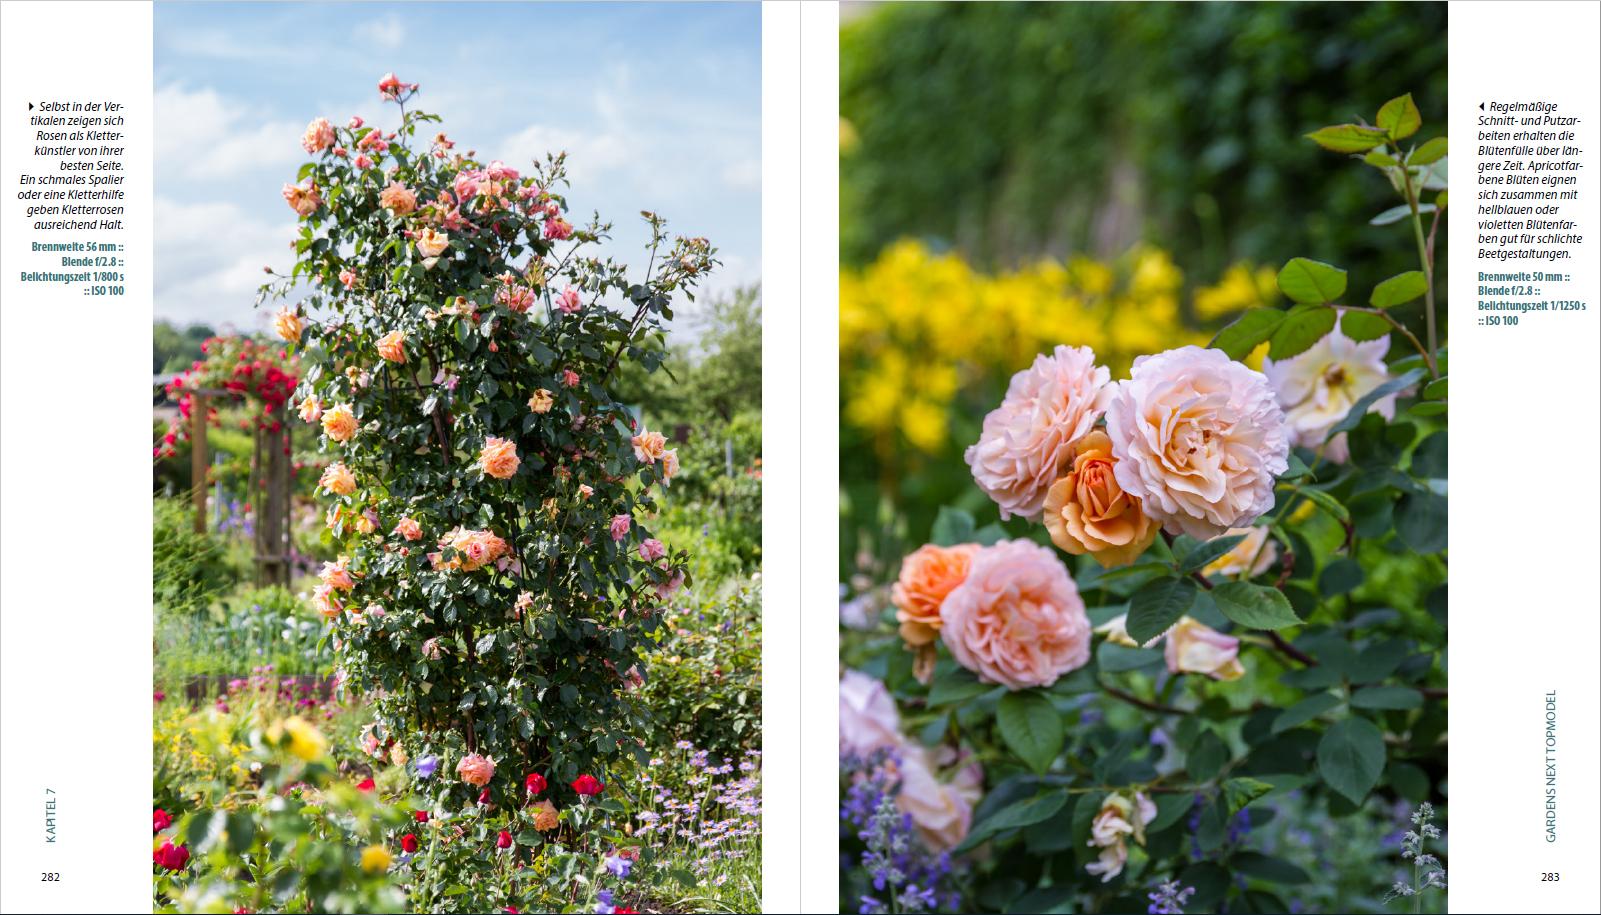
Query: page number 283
x,y
1550,877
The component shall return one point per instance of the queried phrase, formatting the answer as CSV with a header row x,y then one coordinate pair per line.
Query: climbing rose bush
x,y
487,496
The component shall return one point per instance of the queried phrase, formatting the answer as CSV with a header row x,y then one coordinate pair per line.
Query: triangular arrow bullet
x,y
30,106
1481,106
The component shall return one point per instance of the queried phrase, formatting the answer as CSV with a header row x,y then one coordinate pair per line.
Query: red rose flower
x,y
408,843
503,840
365,785
483,796
588,785
420,816
162,820
534,782
171,857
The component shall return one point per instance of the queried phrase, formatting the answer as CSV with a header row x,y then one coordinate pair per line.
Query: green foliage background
x,y
1012,130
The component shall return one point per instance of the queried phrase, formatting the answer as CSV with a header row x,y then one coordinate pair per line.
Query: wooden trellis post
x,y
270,499
198,459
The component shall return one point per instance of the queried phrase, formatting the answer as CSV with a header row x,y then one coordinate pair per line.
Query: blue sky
x,y
657,104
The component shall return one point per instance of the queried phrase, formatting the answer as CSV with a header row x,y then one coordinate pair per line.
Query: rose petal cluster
x,y
1199,439
1017,619
1027,439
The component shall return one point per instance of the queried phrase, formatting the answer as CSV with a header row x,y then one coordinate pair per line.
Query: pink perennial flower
x,y
568,301
1028,438
652,550
868,719
649,447
1017,619
1199,439
392,346
499,458
1196,648
569,378
319,136
475,770
399,198
620,525
302,198
409,528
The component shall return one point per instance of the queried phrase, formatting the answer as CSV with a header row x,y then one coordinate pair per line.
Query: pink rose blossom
x,y
868,719
1199,439
1028,438
568,301
1017,619
319,136
942,811
475,770
569,378
620,525
652,550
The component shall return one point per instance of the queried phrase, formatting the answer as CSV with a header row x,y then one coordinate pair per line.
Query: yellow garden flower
x,y
375,859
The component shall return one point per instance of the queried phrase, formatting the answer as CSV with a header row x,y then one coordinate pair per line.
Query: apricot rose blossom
x,y
1017,619
1088,512
499,458
1199,439
927,576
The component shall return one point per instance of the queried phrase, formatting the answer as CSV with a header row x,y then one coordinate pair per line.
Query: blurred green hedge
x,y
1011,130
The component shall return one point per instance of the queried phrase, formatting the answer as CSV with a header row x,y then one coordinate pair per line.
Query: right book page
x,y
1148,562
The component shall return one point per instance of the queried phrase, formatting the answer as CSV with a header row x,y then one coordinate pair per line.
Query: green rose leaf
x,y
1304,326
1420,520
1347,138
1247,332
1399,117
1387,697
1397,213
1207,758
1032,727
958,686
1311,282
1350,757
1308,709
1399,289
1017,815
953,526
1157,605
1262,867
1429,153
1361,326
1239,792
1203,554
1254,606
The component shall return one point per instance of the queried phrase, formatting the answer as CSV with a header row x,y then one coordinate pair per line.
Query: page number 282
x,y
49,877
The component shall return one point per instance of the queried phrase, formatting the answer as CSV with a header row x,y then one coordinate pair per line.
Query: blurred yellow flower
x,y
375,859
305,741
919,330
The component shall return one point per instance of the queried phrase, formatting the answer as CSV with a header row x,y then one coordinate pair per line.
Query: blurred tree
x,y
176,349
1014,130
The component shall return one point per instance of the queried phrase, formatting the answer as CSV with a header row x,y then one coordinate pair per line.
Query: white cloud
x,y
743,175
202,135
208,260
590,153
388,32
